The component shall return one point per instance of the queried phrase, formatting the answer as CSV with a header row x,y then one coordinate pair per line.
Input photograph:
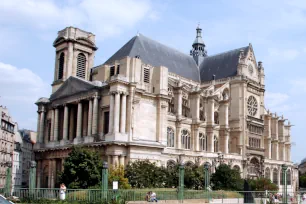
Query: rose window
x,y
252,105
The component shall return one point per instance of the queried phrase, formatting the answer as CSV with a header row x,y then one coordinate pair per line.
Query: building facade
x,y
17,162
149,101
7,138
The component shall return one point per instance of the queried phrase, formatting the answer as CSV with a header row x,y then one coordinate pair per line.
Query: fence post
x,y
105,180
8,183
284,172
181,182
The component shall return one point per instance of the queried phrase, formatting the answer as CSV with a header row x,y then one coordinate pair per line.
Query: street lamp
x,y
32,178
284,174
206,175
105,176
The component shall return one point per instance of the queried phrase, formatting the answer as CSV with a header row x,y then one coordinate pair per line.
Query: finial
x,y
198,24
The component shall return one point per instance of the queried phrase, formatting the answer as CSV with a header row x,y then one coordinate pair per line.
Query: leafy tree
x,y
145,174
194,177
302,180
226,178
117,174
82,169
262,184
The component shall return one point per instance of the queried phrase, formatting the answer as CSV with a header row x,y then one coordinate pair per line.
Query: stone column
x,y
276,150
55,124
210,141
196,138
129,116
289,153
178,100
71,123
52,125
95,116
38,124
178,136
116,112
66,120
111,113
115,161
121,160
79,121
89,124
284,152
38,174
226,139
123,113
268,147
195,107
210,111
109,160
42,126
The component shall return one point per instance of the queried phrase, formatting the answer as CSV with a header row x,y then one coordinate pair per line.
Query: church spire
x,y
198,48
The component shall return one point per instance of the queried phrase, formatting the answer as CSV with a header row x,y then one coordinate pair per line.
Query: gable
x,y
71,86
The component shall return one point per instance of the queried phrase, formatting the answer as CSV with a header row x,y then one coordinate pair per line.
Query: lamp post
x,y
8,182
206,175
104,176
32,178
181,182
284,174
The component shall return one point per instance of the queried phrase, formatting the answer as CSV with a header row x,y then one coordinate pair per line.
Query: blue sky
x,y
275,28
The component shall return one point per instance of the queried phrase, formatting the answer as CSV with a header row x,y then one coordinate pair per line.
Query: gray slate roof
x,y
151,52
222,65
156,54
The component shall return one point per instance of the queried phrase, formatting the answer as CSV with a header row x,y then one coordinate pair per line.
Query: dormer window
x,y
146,75
61,62
118,69
81,66
112,71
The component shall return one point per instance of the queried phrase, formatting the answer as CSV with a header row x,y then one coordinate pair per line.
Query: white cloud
x,y
284,54
102,17
19,90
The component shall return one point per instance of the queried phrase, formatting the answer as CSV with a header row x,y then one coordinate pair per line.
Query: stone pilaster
x,y
111,113
89,124
116,112
52,125
66,120
115,161
121,160
178,136
71,124
210,141
123,113
268,148
79,121
195,107
178,101
42,126
95,116
38,124
55,124
129,112
109,160
196,138
210,111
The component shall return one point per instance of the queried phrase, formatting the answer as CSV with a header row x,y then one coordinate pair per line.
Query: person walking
x,y
63,192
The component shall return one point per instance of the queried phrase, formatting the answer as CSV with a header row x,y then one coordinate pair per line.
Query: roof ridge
x,y
221,53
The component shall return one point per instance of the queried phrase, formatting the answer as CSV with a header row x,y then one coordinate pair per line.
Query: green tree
x,y
226,178
262,184
194,177
117,174
82,169
302,180
145,174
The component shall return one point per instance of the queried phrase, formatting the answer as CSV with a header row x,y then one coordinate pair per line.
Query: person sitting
x,y
153,197
147,198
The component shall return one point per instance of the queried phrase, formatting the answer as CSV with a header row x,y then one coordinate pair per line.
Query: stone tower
x,y
198,51
75,51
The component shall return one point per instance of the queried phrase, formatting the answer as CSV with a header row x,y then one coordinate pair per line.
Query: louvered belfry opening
x,y
146,75
81,66
61,66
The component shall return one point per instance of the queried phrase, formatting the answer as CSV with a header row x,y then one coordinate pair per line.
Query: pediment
x,y
72,86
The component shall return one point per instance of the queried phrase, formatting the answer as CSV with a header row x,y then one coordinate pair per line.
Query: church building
x,y
150,101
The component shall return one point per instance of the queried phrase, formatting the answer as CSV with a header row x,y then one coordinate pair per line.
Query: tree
x,y
82,169
226,178
145,174
302,180
117,174
262,184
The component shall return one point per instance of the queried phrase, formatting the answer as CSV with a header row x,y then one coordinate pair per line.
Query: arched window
x,y
171,164
254,167
61,62
236,167
216,144
288,177
203,142
185,137
267,173
81,66
170,137
275,176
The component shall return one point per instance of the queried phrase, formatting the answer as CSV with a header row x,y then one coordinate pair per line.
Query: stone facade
x,y
157,105
7,138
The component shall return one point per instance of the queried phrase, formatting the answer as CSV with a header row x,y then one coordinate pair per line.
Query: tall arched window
x,y
267,173
275,176
61,62
288,177
170,137
203,142
81,66
216,144
185,137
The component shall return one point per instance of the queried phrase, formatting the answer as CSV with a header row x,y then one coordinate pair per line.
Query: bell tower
x,y
74,55
198,51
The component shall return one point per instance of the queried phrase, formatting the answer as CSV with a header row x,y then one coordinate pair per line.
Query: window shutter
x,y
61,66
81,66
112,71
146,75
